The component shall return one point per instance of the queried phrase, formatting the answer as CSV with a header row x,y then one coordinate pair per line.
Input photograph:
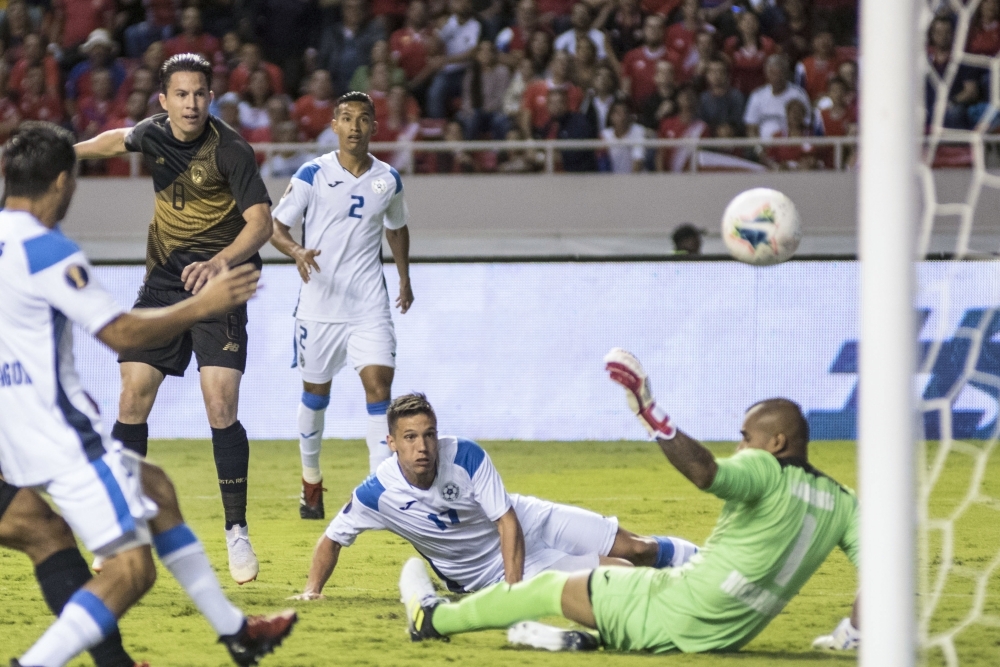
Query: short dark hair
x,y
184,62
686,231
355,96
791,414
34,157
409,405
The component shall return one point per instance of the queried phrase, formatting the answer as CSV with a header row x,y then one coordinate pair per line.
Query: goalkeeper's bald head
x,y
782,417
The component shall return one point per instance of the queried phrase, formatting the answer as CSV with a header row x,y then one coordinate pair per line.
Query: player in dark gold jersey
x,y
212,211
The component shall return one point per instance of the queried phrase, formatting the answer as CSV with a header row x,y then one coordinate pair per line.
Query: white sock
x,y
182,554
311,424
83,623
378,450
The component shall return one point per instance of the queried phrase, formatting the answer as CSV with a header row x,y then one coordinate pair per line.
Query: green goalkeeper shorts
x,y
626,609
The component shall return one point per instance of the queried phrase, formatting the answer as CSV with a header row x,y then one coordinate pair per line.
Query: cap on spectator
x,y
229,98
98,37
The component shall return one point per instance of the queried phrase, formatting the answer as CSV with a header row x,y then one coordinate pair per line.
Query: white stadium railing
x,y
709,153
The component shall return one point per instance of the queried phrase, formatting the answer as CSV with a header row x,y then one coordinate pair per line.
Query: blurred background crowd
x,y
472,70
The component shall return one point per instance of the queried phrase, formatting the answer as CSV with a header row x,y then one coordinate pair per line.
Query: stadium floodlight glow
x,y
887,211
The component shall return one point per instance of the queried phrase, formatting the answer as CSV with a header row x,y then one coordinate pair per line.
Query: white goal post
x,y
887,215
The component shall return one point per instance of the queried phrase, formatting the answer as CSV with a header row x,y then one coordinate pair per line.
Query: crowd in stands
x,y
468,70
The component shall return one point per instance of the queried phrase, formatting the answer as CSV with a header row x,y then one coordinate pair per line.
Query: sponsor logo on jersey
x,y
450,491
379,186
231,347
408,505
334,184
76,276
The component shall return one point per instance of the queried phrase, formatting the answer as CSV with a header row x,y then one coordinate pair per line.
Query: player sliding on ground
x,y
781,519
444,496
51,434
344,199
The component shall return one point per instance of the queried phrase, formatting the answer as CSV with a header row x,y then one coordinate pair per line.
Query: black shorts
x,y
7,493
219,341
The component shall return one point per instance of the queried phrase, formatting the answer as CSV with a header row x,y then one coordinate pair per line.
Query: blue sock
x,y
665,554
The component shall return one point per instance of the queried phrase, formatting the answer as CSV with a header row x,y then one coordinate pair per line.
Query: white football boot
x,y
243,564
845,637
550,638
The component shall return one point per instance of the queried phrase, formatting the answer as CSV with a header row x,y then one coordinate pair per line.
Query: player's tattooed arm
x,y
690,458
105,145
399,244
324,560
255,234
511,546
305,258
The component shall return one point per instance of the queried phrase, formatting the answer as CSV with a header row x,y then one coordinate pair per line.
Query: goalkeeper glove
x,y
845,637
626,370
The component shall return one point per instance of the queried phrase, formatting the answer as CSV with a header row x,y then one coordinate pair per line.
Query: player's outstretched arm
x,y
255,234
105,145
511,546
399,244
147,327
684,452
324,560
305,259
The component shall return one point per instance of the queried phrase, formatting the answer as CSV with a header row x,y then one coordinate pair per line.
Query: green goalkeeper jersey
x,y
782,518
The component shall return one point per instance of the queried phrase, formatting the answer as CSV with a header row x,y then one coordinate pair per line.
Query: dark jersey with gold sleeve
x,y
202,189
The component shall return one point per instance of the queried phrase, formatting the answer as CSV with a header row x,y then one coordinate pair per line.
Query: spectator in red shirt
x,y
153,58
534,115
984,33
74,20
313,111
34,54
694,68
454,162
231,47
747,52
400,123
512,41
193,39
143,81
555,13
36,102
680,36
837,120
639,65
250,61
685,123
129,115
408,45
253,106
663,101
10,117
796,157
95,109
814,71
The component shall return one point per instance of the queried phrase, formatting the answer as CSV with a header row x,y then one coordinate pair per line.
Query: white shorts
x,y
322,348
103,503
562,537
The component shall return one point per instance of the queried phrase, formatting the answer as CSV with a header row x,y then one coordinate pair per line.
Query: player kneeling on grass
x,y
781,519
51,434
444,496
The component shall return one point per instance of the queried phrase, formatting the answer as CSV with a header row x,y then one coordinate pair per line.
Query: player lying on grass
x,y
781,519
28,525
445,497
51,434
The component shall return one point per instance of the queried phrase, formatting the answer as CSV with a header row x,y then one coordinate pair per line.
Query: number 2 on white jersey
x,y
353,212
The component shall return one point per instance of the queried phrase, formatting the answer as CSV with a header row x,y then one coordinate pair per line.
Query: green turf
x,y
361,622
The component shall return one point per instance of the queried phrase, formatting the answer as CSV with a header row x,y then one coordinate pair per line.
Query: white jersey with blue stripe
x,y
451,524
48,424
343,216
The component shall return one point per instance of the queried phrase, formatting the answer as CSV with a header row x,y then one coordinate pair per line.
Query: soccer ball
x,y
761,226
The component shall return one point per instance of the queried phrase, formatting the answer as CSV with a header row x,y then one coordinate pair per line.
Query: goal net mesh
x,y
959,340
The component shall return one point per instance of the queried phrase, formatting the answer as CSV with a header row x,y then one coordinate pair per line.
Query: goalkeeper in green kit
x,y
782,518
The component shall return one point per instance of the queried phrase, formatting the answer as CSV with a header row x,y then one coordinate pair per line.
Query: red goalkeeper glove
x,y
626,370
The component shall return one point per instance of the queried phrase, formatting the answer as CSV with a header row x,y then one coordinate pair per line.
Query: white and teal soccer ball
x,y
761,227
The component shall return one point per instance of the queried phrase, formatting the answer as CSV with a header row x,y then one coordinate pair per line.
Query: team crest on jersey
x,y
379,186
450,491
198,174
76,276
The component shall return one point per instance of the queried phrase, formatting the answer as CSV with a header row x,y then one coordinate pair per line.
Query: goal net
x,y
957,319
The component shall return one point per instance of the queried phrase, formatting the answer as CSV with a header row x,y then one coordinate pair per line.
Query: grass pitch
x,y
362,623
